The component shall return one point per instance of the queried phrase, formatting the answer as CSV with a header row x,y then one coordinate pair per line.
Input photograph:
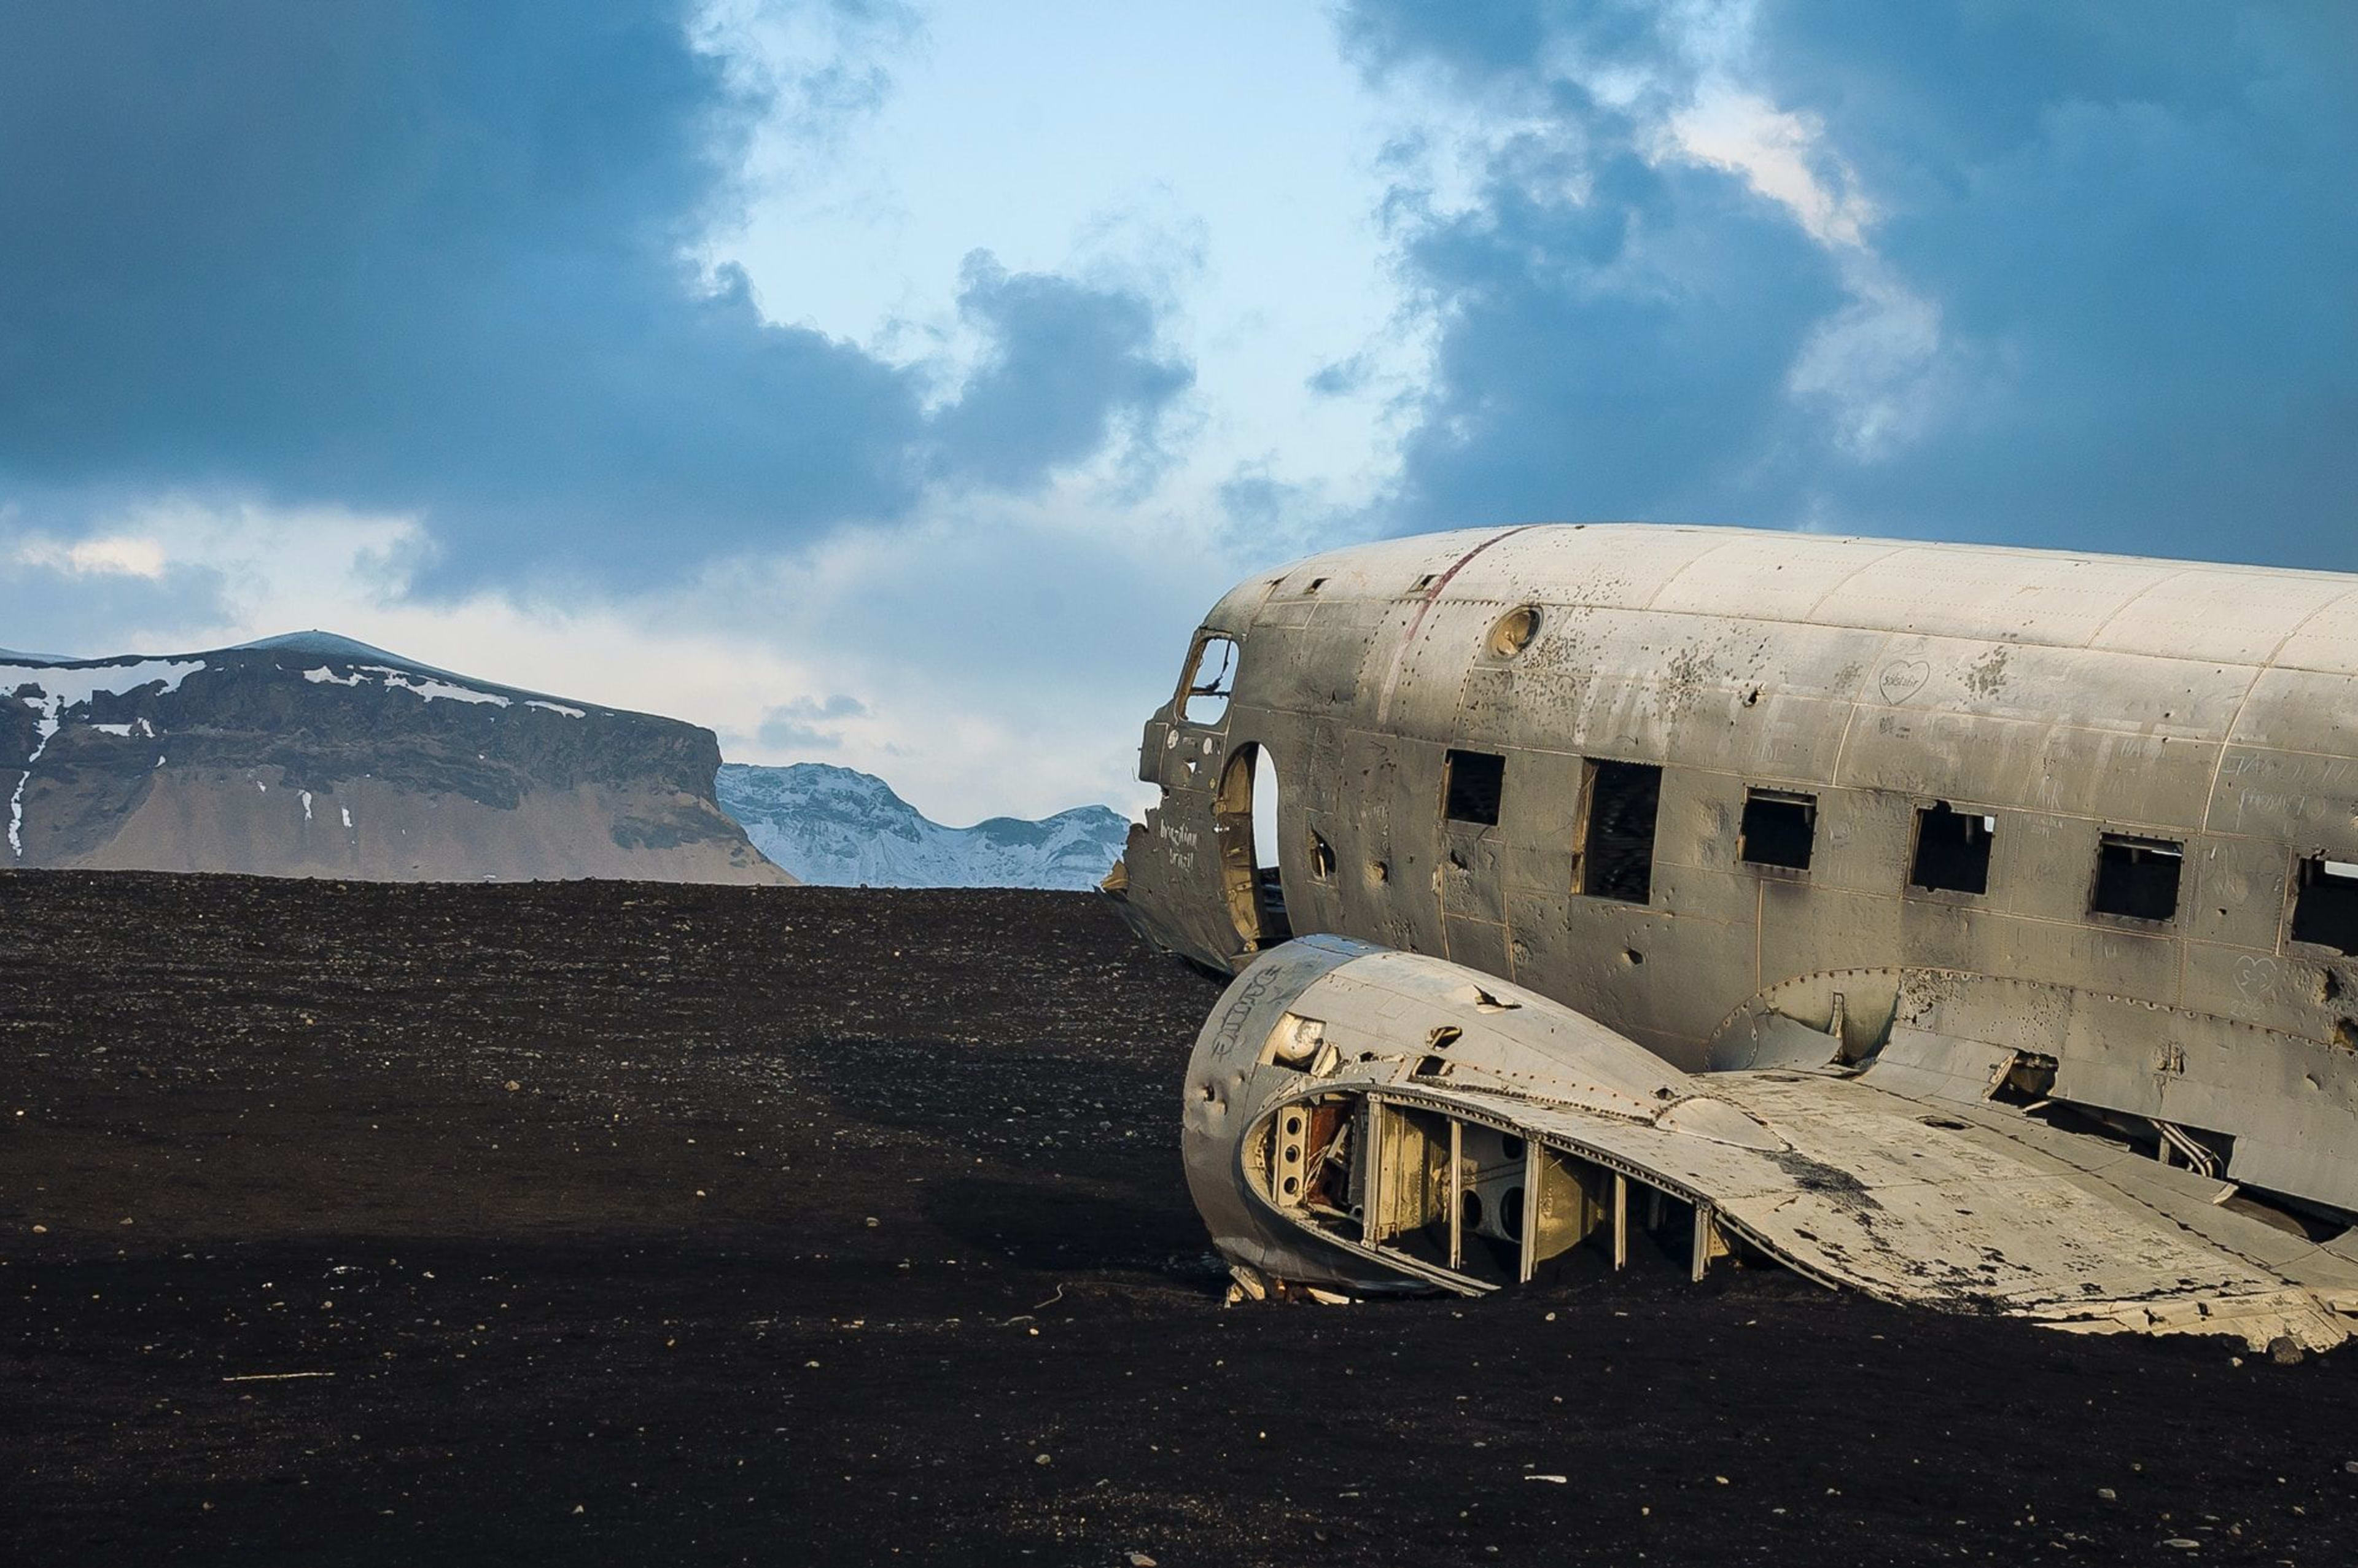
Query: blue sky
x,y
894,384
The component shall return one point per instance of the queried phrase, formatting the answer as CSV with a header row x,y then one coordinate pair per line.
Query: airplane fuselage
x,y
1744,797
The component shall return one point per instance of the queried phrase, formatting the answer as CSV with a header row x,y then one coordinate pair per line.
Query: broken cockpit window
x,y
1952,849
2325,911
1211,680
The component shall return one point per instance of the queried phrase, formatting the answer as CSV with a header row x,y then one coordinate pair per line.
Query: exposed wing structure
x,y
1368,1120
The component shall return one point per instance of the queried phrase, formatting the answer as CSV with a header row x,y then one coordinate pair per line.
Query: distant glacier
x,y
839,828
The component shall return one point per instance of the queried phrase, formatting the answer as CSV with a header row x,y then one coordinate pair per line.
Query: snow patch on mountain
x,y
56,689
836,827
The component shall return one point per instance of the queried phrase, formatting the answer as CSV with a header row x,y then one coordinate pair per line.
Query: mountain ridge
x,y
331,646
835,825
312,754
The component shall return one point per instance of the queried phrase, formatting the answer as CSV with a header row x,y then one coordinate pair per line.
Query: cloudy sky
x,y
895,384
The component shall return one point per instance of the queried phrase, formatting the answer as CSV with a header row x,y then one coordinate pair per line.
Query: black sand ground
x,y
614,1223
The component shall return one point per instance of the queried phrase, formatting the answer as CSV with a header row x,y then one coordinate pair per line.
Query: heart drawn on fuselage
x,y
1904,680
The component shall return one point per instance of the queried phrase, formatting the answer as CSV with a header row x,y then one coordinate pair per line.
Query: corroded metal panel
x,y
2235,894
2308,800
2021,596
2300,711
1471,887
1775,577
2233,615
2325,640
2028,765
1800,925
1598,564
1477,944
2093,690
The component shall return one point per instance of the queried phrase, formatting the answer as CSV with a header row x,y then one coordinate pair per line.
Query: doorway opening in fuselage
x,y
1246,811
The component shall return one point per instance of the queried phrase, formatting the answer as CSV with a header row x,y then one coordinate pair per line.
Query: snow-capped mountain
x,y
313,755
834,826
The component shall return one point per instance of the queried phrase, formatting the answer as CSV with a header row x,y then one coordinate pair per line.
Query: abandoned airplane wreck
x,y
1971,927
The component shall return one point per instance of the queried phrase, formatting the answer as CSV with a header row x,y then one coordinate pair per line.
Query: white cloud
x,y
1780,155
115,554
1876,364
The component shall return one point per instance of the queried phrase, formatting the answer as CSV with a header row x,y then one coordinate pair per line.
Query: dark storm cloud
x,y
427,256
1066,362
2133,223
1621,355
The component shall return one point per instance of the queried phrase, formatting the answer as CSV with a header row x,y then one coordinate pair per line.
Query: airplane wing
x,y
1368,1120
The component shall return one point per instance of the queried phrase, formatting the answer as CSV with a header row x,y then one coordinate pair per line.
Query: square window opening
x,y
2325,911
1777,829
2138,877
1477,783
1952,849
1211,681
1617,830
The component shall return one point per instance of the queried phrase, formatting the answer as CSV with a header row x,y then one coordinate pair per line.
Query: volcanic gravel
x,y
622,1222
